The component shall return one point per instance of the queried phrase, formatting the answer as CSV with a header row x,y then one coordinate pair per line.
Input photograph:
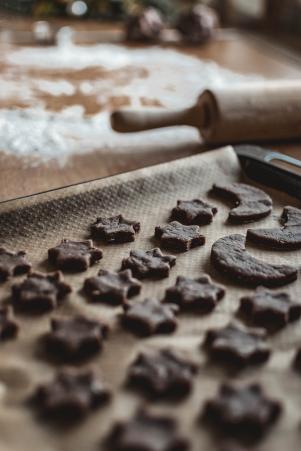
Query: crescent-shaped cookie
x,y
251,204
287,237
230,257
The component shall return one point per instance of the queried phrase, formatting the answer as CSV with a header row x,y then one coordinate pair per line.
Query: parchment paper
x,y
40,222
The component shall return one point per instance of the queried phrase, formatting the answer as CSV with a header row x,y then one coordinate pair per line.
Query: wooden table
x,y
234,51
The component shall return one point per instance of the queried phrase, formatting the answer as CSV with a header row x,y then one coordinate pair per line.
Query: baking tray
x,y
148,195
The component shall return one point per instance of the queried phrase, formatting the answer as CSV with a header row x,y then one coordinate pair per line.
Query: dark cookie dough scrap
x,y
251,204
237,347
39,293
269,309
74,339
146,432
9,327
115,230
179,237
70,397
13,263
230,257
74,255
149,264
150,317
145,26
162,375
112,288
288,237
244,413
200,295
193,212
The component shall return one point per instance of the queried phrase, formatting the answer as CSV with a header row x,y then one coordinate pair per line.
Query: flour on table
x,y
89,80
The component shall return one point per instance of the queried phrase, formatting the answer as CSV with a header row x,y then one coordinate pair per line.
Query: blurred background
x,y
67,64
280,14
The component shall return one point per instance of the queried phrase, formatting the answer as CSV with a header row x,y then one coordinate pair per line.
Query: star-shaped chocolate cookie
x,y
146,432
74,339
245,413
70,397
9,328
13,264
237,346
149,264
150,317
112,287
269,309
193,212
115,229
179,237
74,255
200,295
162,375
39,293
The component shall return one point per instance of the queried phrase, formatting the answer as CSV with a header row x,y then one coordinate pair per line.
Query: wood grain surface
x,y
234,51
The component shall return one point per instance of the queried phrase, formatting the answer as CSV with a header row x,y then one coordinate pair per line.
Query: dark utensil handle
x,y
258,164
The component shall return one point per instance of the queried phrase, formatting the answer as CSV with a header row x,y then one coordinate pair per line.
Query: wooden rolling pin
x,y
269,110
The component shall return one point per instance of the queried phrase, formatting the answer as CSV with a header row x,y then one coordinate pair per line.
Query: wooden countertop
x,y
233,51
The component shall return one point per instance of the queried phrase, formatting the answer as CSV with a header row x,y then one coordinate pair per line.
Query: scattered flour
x,y
169,76
55,88
76,57
45,136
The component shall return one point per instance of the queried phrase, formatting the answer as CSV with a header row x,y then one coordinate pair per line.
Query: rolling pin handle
x,y
247,112
127,121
